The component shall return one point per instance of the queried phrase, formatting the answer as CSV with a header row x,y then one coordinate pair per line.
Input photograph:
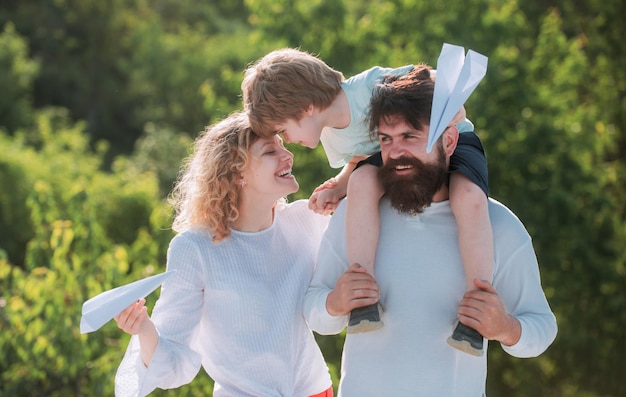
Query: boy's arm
x,y
346,171
326,197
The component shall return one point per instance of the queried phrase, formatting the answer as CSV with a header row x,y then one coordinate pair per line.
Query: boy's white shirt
x,y
341,145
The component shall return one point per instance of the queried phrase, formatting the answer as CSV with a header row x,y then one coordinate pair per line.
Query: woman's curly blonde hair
x,y
205,195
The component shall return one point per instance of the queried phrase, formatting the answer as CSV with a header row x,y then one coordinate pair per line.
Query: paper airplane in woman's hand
x,y
457,77
103,307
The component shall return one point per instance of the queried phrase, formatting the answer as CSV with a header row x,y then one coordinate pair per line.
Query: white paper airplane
x,y
98,310
457,77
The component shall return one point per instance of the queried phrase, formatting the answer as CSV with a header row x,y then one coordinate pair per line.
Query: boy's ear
x,y
309,110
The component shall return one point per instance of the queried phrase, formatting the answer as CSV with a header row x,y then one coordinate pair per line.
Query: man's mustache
x,y
403,161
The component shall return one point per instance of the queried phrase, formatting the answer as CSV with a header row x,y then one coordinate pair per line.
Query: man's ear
x,y
450,140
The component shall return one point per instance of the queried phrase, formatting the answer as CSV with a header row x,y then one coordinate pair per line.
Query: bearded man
x,y
420,273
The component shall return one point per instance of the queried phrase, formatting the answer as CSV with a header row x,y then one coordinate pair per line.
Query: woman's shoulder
x,y
296,205
193,236
299,210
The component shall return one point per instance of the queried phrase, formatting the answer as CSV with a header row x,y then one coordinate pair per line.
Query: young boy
x,y
296,94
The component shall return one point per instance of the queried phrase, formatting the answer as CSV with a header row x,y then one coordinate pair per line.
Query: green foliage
x,y
17,72
160,151
57,152
83,231
16,229
120,70
562,191
143,78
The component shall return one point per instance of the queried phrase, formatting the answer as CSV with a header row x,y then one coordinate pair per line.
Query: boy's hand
x,y
324,202
325,198
329,184
459,116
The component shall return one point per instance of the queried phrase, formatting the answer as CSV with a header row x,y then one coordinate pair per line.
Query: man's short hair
x,y
408,97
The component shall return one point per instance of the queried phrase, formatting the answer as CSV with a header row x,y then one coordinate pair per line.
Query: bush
x,y
69,232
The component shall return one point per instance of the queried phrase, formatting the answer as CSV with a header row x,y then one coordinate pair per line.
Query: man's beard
x,y
413,192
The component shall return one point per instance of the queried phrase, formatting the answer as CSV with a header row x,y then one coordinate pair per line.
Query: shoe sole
x,y
364,326
465,346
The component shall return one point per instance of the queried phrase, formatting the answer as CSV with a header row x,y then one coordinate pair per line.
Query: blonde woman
x,y
244,258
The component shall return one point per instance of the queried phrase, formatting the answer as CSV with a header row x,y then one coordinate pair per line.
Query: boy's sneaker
x,y
467,340
365,319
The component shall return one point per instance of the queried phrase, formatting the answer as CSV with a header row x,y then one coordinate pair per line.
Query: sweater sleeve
x,y
331,263
176,316
518,282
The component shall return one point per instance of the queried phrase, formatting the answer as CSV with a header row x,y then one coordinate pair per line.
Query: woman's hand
x,y
134,319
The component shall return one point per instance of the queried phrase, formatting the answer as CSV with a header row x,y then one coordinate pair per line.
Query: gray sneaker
x,y
365,319
467,339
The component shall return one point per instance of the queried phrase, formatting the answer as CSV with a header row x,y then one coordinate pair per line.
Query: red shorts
x,y
325,393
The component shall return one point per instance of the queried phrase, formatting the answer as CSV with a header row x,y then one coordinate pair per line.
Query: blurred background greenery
x,y
101,99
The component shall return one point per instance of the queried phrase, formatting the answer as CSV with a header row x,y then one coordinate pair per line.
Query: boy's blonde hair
x,y
283,84
204,195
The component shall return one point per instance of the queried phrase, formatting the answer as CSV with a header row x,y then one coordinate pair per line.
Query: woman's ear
x,y
239,181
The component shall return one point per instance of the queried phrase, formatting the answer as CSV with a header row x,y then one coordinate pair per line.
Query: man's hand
x,y
484,310
354,288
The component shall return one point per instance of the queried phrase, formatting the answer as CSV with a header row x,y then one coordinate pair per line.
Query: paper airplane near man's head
x,y
98,310
457,77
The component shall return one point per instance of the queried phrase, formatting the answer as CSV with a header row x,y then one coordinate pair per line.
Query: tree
x,y
142,78
17,72
553,171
